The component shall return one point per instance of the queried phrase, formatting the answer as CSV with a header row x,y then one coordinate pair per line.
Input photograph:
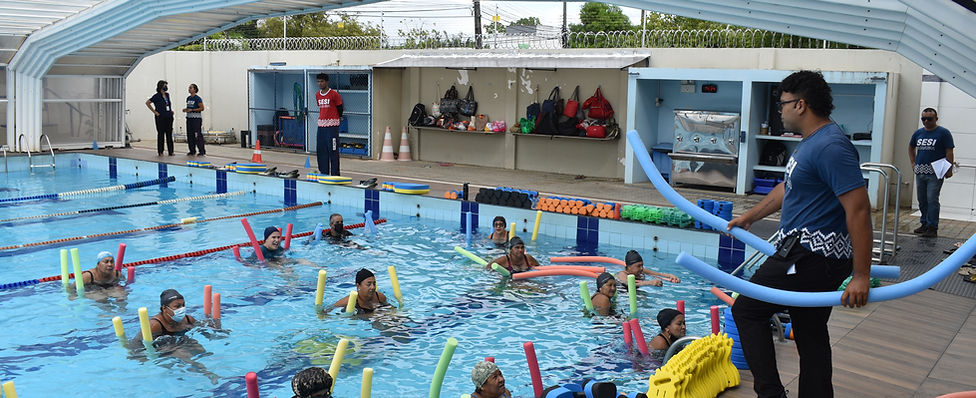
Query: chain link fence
x,y
699,38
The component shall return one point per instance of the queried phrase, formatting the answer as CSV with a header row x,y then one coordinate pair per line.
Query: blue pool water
x,y
52,340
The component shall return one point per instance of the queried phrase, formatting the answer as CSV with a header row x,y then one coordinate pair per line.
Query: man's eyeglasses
x,y
779,104
927,118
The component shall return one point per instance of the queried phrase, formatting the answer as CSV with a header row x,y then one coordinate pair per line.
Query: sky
x,y
457,16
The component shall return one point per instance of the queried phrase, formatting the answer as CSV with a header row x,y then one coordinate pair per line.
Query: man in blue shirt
x,y
824,233
928,144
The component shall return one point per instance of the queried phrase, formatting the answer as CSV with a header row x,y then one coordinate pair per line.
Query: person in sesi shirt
x,y
327,137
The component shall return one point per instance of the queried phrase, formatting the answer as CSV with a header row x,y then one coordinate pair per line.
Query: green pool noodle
x,y
435,385
79,278
585,295
470,255
501,270
632,292
64,268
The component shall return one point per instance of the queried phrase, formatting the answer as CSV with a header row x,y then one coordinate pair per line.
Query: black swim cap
x,y
633,257
168,296
602,279
362,275
667,315
499,218
270,230
310,382
515,241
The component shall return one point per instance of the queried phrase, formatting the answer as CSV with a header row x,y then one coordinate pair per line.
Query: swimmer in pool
x,y
603,300
369,298
517,260
635,266
172,319
488,381
104,274
337,233
272,243
498,234
672,324
312,382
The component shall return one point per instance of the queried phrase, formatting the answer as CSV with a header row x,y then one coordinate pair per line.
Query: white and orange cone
x,y
256,157
404,155
387,154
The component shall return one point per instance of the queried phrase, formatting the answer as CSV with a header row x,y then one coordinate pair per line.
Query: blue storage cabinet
x,y
271,88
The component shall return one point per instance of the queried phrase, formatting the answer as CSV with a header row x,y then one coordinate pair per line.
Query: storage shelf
x,y
778,169
547,136
356,136
420,128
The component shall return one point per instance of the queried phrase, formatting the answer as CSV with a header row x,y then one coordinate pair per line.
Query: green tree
x,y
318,25
528,21
495,27
596,19
421,38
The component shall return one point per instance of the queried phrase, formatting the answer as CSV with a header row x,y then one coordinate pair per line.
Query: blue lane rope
x,y
132,185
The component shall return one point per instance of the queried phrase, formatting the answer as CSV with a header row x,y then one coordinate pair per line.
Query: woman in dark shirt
x,y
161,107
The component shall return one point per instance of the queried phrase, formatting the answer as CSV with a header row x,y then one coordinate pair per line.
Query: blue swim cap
x,y
101,256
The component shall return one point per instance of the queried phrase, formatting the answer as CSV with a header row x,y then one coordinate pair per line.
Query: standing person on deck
x,y
327,136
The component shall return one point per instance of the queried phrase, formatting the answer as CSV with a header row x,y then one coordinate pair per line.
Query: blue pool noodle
x,y
879,271
467,231
368,222
317,234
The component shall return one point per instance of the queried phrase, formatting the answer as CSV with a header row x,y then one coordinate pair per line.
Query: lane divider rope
x,y
158,202
121,187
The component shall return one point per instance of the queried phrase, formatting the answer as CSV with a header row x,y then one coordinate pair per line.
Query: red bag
x,y
599,107
596,131
572,104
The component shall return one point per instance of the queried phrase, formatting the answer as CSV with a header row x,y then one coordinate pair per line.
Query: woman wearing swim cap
x,y
488,381
516,260
672,328
369,299
603,302
104,273
635,266
271,248
498,234
172,319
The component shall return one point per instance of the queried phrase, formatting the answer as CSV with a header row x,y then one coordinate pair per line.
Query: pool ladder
x,y
4,148
886,249
30,160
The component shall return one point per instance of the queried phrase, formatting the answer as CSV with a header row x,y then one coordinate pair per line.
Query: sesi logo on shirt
x,y
323,102
926,142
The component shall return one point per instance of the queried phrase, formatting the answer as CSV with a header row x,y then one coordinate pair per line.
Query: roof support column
x,y
28,103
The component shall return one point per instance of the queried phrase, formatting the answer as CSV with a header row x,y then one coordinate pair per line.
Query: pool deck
x,y
923,345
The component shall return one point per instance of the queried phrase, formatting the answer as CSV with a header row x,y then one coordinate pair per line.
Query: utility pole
x,y
284,32
565,35
643,29
477,24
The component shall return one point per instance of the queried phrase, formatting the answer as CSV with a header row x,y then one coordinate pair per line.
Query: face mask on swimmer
x,y
179,314
338,227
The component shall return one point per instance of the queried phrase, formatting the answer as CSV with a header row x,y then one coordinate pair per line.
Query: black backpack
x,y
417,115
773,154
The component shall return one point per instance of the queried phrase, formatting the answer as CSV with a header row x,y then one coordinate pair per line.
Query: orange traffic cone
x,y
404,147
387,155
256,157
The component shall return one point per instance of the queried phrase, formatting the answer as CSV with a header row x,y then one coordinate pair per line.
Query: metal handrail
x,y
50,148
4,148
894,233
754,259
20,140
884,212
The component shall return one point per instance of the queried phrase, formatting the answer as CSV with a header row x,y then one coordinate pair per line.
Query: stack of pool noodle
x,y
738,357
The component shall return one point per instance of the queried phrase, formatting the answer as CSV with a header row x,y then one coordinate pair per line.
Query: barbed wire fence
x,y
699,38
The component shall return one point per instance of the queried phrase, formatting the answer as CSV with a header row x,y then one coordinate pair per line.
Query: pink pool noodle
x,y
251,380
254,240
681,306
533,368
714,313
216,306
288,236
490,359
722,296
628,338
586,259
207,299
131,277
118,257
639,336
237,253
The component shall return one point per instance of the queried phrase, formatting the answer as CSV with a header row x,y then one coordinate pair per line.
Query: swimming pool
x,y
269,323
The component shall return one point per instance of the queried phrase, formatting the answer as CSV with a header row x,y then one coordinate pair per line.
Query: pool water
x,y
54,342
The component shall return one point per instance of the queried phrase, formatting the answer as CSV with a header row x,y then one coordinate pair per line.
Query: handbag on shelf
x,y
597,106
572,104
480,122
449,104
468,106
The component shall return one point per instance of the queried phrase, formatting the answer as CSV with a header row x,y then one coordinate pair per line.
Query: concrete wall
x,y
504,93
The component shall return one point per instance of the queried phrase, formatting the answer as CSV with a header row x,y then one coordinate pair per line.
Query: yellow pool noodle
x,y
8,390
351,303
64,268
535,228
396,283
188,220
340,352
144,324
320,288
79,278
367,388
511,231
119,330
